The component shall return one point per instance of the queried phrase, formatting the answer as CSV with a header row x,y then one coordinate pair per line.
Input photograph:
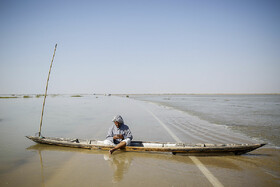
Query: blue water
x,y
257,116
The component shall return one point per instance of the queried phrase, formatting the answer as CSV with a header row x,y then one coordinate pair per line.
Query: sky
x,y
144,46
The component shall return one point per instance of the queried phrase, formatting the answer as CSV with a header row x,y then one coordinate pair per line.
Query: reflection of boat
x,y
141,146
119,163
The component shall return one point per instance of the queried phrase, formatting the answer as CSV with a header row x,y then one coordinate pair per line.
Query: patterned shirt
x,y
123,130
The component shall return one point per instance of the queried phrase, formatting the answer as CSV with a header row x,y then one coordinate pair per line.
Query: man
x,y
118,135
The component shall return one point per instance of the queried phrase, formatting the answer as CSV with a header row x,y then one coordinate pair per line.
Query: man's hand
x,y
118,136
121,136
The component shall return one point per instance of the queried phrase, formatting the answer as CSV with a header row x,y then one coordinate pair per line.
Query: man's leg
x,y
122,144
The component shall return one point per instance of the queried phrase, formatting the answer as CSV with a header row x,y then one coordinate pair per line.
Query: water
x,y
25,163
257,116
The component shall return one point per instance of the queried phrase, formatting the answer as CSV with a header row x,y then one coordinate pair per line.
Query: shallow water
x,y
25,163
257,116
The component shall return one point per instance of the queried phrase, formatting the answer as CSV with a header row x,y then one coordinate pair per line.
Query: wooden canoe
x,y
142,146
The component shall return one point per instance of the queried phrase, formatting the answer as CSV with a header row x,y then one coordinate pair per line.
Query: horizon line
x,y
143,94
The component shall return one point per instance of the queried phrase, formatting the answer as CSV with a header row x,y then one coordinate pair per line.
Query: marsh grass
x,y
8,97
27,96
76,96
39,95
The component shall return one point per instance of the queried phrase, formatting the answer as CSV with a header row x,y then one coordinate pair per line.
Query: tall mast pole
x,y
46,92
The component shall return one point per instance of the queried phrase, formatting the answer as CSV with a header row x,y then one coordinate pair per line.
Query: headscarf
x,y
118,118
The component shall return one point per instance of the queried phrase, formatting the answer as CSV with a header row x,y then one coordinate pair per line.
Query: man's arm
x,y
110,135
118,136
128,134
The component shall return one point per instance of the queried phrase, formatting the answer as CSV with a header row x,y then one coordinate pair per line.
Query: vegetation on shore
x,y
8,97
14,96
27,96
76,96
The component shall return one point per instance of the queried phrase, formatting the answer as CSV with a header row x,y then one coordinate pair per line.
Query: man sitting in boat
x,y
119,135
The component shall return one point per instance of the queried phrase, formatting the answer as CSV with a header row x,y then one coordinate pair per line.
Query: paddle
x,y
46,91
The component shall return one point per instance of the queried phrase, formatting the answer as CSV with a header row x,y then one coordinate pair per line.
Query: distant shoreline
x,y
8,96
202,94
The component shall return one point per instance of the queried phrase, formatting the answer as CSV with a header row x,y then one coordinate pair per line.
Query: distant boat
x,y
142,146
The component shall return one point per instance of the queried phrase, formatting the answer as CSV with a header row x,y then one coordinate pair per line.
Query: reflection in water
x,y
42,169
121,161
120,164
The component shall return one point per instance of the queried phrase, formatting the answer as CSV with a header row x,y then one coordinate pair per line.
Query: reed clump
x,y
27,96
76,96
8,97
39,95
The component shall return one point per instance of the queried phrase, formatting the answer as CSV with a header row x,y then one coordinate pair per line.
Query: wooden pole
x,y
46,91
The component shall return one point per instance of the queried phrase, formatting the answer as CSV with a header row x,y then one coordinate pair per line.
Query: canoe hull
x,y
141,146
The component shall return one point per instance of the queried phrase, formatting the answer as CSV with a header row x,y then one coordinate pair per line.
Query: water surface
x,y
257,116
25,163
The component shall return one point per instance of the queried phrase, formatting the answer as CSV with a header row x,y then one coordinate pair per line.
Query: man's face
x,y
117,124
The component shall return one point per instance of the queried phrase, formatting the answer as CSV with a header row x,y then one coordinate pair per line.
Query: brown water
x,y
25,163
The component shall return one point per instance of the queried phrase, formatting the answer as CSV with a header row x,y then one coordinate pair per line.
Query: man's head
x,y
118,120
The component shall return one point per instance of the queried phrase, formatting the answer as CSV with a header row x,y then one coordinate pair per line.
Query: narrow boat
x,y
142,146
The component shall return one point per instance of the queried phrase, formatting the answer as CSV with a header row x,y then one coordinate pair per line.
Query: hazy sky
x,y
144,46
